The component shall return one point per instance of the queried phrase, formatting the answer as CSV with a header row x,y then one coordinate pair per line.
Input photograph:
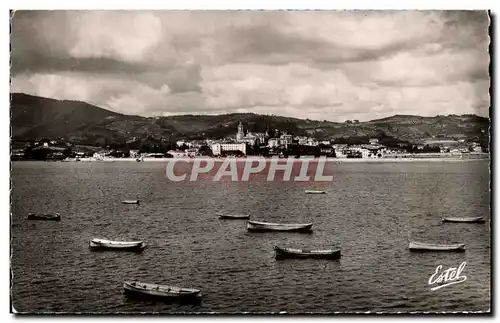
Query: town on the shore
x,y
243,143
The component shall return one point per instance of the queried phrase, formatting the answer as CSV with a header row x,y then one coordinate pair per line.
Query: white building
x,y
301,140
273,143
286,140
249,139
178,153
261,136
218,149
191,152
101,154
312,142
181,143
365,153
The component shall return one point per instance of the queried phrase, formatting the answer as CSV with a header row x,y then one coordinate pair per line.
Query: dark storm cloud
x,y
304,64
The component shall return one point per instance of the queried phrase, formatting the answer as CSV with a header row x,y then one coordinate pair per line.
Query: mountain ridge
x,y
34,117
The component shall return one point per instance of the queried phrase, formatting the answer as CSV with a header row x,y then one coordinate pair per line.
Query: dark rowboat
x,y
281,253
477,219
420,246
315,192
46,217
130,202
291,227
234,216
102,244
160,291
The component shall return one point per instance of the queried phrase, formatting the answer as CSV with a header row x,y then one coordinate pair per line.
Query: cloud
x,y
332,65
437,67
129,36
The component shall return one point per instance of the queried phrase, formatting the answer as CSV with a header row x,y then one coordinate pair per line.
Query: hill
x,y
35,118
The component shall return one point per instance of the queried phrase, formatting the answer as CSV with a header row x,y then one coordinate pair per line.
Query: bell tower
x,y
240,134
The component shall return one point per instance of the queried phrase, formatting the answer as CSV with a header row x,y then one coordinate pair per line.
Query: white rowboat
x,y
266,226
130,202
420,246
477,219
116,245
281,253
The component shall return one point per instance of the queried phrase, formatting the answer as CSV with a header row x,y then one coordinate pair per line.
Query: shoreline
x,y
282,160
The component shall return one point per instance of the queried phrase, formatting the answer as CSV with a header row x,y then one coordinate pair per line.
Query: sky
x,y
322,65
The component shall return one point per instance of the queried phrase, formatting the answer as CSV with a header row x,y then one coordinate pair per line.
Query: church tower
x,y
240,133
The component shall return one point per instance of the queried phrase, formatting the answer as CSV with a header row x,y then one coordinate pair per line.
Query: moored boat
x,y
234,216
162,291
266,226
130,202
100,244
421,246
281,253
315,192
477,219
46,217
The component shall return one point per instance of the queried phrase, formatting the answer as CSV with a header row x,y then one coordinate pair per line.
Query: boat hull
x,y
284,253
157,291
315,192
130,202
264,226
55,217
234,217
465,220
117,245
437,247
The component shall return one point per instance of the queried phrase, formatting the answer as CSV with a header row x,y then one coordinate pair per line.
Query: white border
x,y
256,4
185,4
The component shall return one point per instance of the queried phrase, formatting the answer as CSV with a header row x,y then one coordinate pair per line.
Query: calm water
x,y
370,212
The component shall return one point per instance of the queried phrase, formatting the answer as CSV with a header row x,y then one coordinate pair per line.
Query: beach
x,y
387,159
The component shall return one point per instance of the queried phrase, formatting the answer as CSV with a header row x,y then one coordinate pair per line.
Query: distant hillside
x,y
34,118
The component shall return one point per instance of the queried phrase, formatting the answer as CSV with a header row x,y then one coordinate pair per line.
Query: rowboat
x,y
281,253
46,217
234,216
477,219
315,192
420,246
157,290
96,244
130,202
265,226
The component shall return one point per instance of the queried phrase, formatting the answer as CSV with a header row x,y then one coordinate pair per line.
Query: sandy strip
x,y
282,160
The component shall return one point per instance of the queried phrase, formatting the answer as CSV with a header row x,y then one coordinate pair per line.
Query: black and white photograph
x,y
250,162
